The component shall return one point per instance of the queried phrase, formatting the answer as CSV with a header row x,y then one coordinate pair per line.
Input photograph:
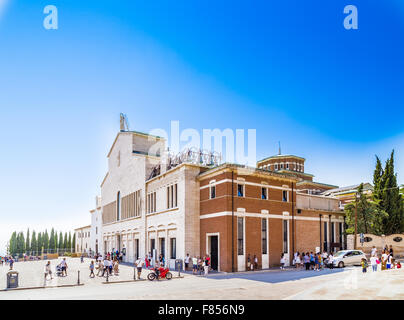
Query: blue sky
x,y
285,68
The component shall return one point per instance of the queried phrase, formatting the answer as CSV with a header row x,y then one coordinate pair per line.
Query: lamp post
x,y
356,218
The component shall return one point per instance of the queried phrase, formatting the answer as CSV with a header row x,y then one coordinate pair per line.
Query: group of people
x,y
107,265
199,264
385,259
7,260
311,261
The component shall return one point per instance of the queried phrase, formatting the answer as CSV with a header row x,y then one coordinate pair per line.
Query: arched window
x,y
118,206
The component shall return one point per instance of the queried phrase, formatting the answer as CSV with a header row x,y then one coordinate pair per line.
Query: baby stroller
x,y
59,270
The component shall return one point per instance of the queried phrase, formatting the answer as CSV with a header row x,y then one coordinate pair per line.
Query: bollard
x,y
78,277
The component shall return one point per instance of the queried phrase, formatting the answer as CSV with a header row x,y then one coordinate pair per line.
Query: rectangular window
x,y
264,236
240,190
325,237
154,202
287,166
284,196
264,193
175,195
152,245
285,237
137,248
276,166
240,236
171,197
332,232
213,192
173,248
163,246
168,197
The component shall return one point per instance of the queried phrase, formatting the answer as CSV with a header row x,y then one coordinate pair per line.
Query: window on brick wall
x,y
212,192
264,193
264,236
240,236
240,190
284,196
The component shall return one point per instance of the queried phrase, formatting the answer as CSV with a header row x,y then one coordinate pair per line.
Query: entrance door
x,y
214,252
118,240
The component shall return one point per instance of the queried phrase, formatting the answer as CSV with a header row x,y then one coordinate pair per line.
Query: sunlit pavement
x,y
347,283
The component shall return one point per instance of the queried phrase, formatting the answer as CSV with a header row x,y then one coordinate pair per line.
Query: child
x,y
364,264
398,265
282,261
92,275
373,263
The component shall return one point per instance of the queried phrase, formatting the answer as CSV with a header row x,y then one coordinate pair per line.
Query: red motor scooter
x,y
163,273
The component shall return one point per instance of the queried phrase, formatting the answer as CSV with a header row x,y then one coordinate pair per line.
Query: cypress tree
x,y
52,241
27,242
60,241
56,242
34,243
13,243
40,244
45,240
65,242
69,243
74,242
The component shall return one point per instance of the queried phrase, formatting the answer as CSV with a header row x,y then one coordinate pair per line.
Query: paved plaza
x,y
347,283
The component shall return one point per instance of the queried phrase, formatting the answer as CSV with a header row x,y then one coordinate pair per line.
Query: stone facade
x,y
150,207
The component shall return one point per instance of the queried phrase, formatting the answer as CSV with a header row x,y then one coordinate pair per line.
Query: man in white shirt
x,y
139,265
106,266
194,265
187,261
374,251
373,262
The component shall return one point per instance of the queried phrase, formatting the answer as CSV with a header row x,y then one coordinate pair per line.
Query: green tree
x,y
52,241
34,243
69,243
45,240
74,242
40,243
369,216
56,242
60,241
65,242
27,242
13,244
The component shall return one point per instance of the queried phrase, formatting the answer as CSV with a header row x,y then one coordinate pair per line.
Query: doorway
x,y
212,248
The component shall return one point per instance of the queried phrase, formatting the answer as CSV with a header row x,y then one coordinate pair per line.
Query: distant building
x,y
83,239
347,194
96,243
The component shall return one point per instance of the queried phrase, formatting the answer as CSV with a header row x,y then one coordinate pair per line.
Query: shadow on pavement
x,y
277,276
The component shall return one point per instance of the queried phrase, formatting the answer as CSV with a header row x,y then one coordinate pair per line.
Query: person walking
x,y
373,263
48,270
384,260
306,260
92,275
282,261
298,260
100,267
248,262
194,265
331,261
11,263
63,264
139,265
255,262
206,265
187,258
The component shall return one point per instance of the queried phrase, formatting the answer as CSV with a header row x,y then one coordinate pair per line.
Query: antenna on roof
x,y
124,123
279,148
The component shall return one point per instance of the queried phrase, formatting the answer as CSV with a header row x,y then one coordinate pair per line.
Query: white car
x,y
348,258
